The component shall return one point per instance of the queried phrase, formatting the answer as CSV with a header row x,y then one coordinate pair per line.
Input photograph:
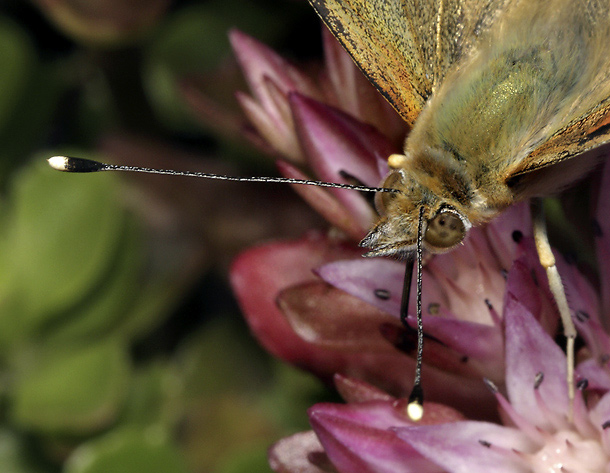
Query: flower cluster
x,y
488,310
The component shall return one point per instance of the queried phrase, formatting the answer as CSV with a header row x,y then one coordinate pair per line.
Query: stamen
x,y
582,316
382,294
495,317
521,422
538,380
558,421
510,452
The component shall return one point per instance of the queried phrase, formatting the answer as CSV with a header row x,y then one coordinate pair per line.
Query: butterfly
x,y
506,100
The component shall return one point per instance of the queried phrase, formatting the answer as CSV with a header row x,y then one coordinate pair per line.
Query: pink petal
x,y
337,143
600,417
261,63
356,439
596,374
353,390
258,275
377,281
276,131
328,317
374,414
457,446
479,341
527,283
469,277
502,231
529,351
323,201
351,91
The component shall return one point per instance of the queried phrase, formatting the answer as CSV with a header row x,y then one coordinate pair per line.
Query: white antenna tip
x,y
59,163
415,411
66,164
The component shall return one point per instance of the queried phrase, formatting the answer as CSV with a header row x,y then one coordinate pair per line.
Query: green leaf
x,y
75,392
112,301
154,398
63,232
127,451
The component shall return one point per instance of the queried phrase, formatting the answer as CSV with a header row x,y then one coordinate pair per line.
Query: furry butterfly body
x,y
507,100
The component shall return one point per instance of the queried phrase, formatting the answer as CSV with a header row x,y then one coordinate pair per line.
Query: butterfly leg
x,y
547,259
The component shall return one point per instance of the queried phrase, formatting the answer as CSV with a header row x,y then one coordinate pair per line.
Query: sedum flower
x,y
373,434
488,311
319,305
273,79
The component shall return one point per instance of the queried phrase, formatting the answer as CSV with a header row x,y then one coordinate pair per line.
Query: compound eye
x,y
445,230
383,200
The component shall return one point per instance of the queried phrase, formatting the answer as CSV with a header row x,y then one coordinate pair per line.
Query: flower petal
x,y
505,231
600,417
278,133
527,283
529,351
458,448
356,439
329,317
478,341
377,281
260,63
596,372
258,275
324,202
353,390
336,144
352,92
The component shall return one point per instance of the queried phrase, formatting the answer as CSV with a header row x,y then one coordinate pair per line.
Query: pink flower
x,y
488,310
375,435
294,294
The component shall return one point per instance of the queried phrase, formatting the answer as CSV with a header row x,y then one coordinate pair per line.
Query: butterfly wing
x,y
406,47
583,123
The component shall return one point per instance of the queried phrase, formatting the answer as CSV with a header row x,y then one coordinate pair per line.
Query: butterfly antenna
x,y
68,164
415,406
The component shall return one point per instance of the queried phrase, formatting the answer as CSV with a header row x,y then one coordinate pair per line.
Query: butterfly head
x,y
395,234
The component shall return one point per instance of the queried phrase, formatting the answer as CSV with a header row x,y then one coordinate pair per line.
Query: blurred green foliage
x,y
113,358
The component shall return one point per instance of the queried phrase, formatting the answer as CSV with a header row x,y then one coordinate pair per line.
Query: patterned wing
x,y
406,47
583,119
